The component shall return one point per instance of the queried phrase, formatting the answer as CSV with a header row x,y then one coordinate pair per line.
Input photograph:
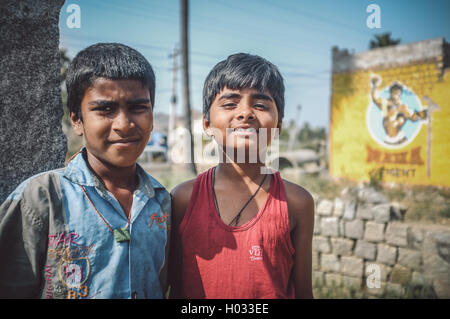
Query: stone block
x,y
339,207
352,282
315,260
386,254
321,244
316,224
352,266
409,258
381,213
354,229
325,207
349,210
329,226
366,250
342,246
364,211
400,275
329,262
394,290
374,232
318,278
333,279
397,234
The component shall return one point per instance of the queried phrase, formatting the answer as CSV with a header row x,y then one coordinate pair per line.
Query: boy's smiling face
x,y
237,118
117,120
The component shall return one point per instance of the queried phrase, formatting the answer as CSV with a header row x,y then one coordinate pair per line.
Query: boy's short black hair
x,y
106,60
243,70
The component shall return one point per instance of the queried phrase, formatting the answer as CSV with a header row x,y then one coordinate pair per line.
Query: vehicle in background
x,y
156,149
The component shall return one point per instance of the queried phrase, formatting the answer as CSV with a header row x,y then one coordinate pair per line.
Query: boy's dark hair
x,y
240,71
107,60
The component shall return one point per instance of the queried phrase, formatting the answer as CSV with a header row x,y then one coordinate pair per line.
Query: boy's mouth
x,y
126,142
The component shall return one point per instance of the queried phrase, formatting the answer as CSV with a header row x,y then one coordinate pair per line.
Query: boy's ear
x,y
279,127
206,125
77,124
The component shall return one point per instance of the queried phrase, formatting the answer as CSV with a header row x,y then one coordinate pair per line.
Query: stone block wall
x,y
355,242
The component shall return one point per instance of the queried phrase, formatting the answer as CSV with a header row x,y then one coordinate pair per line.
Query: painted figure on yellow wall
x,y
394,111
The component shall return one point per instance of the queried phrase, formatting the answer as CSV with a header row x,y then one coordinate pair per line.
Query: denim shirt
x,y
70,247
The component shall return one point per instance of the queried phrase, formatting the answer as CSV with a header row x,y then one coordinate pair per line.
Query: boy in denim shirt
x,y
98,228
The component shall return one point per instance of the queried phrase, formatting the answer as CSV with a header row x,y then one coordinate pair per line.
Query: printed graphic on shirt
x,y
256,253
73,266
159,221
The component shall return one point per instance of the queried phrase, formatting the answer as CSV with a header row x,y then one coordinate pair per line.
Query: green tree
x,y
383,40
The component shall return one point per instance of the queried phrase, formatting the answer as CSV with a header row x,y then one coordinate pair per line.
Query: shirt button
x,y
134,295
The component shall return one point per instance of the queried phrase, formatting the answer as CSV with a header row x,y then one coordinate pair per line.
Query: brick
x,y
381,213
349,210
321,244
364,211
339,206
325,207
333,279
318,278
316,224
365,250
329,262
386,254
352,266
329,226
400,275
397,234
354,229
409,258
374,232
315,260
342,246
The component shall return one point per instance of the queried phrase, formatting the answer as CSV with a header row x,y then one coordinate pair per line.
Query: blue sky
x,y
295,35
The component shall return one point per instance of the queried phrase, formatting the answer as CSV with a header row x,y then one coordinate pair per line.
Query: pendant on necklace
x,y
122,234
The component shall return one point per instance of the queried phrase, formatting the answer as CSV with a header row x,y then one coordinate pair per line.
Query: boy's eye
x,y
138,107
261,106
229,105
104,109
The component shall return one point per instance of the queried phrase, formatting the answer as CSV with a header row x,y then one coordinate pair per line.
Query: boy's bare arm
x,y
301,216
180,195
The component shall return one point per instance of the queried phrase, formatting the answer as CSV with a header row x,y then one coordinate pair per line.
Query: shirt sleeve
x,y
23,243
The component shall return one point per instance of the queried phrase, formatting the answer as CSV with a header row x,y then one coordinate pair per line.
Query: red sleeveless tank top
x,y
251,261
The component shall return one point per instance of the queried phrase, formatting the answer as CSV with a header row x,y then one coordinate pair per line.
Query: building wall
x,y
355,150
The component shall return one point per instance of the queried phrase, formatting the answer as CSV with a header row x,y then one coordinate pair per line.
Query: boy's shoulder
x,y
181,195
48,180
300,201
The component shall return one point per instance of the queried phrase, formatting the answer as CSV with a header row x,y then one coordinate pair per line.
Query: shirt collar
x,y
78,172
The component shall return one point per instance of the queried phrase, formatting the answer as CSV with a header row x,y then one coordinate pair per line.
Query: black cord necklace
x,y
238,216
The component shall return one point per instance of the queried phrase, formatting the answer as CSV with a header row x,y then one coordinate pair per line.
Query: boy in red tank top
x,y
240,231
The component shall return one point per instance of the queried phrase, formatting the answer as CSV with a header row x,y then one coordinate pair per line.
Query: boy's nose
x,y
246,113
122,123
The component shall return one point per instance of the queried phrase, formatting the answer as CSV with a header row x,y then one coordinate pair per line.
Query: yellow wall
x,y
354,153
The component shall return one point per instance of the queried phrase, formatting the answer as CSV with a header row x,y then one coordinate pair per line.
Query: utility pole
x,y
173,98
185,78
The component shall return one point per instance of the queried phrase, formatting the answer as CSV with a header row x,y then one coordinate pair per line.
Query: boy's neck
x,y
113,177
240,171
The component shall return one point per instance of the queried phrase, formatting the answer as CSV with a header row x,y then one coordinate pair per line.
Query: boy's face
x,y
117,120
240,118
